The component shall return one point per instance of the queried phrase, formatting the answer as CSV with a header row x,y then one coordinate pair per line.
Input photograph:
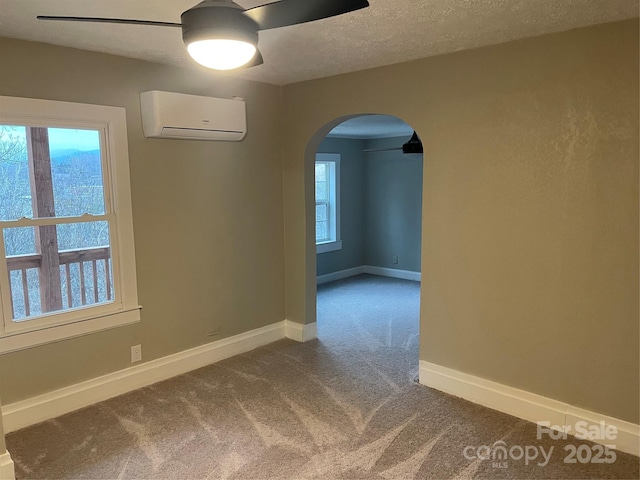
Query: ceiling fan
x,y
222,35
414,145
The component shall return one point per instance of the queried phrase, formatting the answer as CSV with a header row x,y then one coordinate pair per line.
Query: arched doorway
x,y
368,224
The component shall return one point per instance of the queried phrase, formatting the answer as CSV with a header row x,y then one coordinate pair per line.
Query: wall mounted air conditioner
x,y
176,115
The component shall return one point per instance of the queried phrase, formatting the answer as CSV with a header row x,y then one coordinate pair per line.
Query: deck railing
x,y
68,258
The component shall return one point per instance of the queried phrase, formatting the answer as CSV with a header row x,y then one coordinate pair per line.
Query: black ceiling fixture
x,y
414,145
220,34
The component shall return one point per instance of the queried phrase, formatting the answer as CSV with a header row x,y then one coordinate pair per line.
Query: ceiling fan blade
x,y
293,12
110,20
372,150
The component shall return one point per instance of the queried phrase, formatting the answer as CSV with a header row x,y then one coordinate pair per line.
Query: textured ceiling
x,y
371,126
385,33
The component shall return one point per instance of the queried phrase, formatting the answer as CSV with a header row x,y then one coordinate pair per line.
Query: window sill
x,y
328,246
20,341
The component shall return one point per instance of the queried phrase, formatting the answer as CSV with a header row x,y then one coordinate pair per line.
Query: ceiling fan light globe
x,y
221,53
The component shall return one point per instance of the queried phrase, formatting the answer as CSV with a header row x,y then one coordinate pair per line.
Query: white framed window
x,y
67,261
327,191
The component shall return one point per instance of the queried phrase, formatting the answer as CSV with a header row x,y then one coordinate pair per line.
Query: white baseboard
x,y
299,332
7,471
371,270
526,405
332,277
393,273
53,404
628,435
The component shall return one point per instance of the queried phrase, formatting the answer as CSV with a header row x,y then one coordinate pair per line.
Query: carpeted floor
x,y
343,407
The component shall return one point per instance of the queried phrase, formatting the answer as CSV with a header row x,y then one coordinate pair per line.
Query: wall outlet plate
x,y
395,259
136,353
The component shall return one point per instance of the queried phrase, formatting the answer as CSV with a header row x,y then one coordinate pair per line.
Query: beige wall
x,y
530,207
530,210
208,216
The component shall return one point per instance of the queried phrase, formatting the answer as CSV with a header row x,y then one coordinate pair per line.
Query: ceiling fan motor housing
x,y
414,145
211,20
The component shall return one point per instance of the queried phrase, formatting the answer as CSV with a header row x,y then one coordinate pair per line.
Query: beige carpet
x,y
345,406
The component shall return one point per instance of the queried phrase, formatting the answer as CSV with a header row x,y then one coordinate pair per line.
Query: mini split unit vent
x,y
175,115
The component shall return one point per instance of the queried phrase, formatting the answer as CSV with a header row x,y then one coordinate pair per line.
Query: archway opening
x,y
367,220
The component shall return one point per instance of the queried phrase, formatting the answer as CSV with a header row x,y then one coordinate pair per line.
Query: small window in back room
x,y
327,192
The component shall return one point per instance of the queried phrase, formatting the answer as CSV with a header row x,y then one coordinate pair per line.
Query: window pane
x,y
19,241
76,171
321,191
321,172
326,197
322,231
74,178
83,235
85,263
86,278
23,265
321,213
15,189
24,285
79,274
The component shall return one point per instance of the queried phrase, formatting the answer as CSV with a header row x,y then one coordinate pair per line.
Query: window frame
x,y
335,241
124,309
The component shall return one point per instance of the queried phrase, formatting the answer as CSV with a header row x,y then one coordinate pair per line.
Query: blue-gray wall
x,y
380,206
393,206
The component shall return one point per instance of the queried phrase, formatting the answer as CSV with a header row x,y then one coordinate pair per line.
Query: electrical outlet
x,y
395,259
136,353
